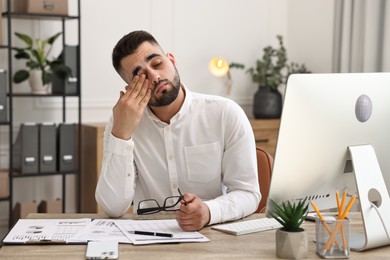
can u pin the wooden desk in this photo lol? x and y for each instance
(266, 133)
(221, 246)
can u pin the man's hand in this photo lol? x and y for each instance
(130, 107)
(193, 214)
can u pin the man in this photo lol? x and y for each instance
(163, 137)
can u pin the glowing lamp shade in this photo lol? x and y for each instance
(219, 67)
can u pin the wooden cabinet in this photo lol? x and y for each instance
(92, 154)
(266, 133)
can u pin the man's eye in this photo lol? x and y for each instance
(157, 64)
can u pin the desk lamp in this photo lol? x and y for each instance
(219, 67)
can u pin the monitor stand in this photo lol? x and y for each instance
(376, 219)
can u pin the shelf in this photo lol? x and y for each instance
(19, 175)
(4, 198)
(6, 49)
(41, 95)
(30, 16)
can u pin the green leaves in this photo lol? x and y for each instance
(27, 39)
(36, 53)
(290, 215)
(272, 69)
(21, 76)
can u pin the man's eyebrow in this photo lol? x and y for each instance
(151, 56)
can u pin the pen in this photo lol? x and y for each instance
(150, 233)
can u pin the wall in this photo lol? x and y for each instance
(194, 31)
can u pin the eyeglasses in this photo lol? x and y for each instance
(151, 206)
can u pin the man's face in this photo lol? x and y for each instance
(159, 68)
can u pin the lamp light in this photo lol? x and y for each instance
(219, 67)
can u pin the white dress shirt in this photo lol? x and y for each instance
(208, 149)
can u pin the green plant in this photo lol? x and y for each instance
(37, 56)
(272, 69)
(290, 215)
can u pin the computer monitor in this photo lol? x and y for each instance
(328, 126)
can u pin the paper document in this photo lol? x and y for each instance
(41, 231)
(101, 230)
(162, 226)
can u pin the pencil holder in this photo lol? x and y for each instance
(332, 237)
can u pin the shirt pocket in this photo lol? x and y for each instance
(203, 162)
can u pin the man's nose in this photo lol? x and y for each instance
(153, 76)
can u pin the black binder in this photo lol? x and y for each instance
(47, 147)
(66, 147)
(25, 152)
(3, 96)
(69, 85)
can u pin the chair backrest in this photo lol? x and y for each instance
(264, 171)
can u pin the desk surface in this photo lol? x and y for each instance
(259, 245)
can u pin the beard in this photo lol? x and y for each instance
(167, 95)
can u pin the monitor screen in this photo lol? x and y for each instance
(324, 114)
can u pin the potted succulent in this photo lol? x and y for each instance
(269, 72)
(291, 239)
(41, 67)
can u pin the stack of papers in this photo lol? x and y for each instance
(45, 230)
(76, 231)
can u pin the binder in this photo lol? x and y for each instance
(47, 147)
(3, 96)
(66, 147)
(69, 85)
(25, 152)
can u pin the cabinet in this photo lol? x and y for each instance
(12, 121)
(92, 153)
(266, 133)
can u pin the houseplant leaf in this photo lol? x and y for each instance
(21, 76)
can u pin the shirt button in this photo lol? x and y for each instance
(174, 186)
(170, 157)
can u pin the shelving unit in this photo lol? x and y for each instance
(10, 17)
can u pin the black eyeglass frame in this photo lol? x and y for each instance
(153, 210)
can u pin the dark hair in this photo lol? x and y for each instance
(129, 44)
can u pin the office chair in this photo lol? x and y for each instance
(264, 171)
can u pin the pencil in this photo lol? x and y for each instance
(323, 220)
(342, 202)
(349, 206)
(332, 238)
(338, 201)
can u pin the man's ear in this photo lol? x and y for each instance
(171, 58)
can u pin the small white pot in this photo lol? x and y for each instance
(291, 245)
(36, 84)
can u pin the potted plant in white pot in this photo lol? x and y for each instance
(291, 240)
(41, 66)
(270, 72)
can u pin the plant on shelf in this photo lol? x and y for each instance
(37, 55)
(273, 69)
(270, 72)
(291, 239)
